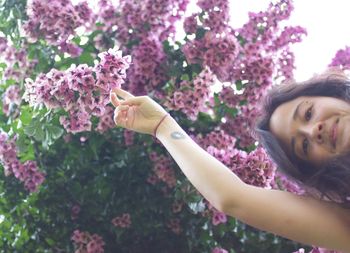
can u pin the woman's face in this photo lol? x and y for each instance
(313, 128)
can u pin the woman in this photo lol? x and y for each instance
(300, 218)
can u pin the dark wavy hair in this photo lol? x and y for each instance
(329, 181)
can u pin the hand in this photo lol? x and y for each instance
(138, 113)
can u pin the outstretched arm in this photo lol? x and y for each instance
(298, 218)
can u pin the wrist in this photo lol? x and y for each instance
(159, 123)
(166, 127)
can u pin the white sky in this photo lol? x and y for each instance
(327, 24)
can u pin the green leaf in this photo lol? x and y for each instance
(217, 99)
(28, 155)
(196, 68)
(31, 129)
(39, 134)
(231, 111)
(54, 132)
(26, 115)
(200, 33)
(3, 65)
(86, 58)
(185, 77)
(239, 84)
(22, 143)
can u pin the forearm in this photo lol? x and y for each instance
(210, 177)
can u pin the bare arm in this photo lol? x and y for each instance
(206, 173)
(297, 218)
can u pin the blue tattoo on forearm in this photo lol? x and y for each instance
(177, 135)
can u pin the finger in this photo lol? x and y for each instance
(115, 116)
(133, 101)
(119, 117)
(123, 107)
(113, 98)
(130, 117)
(122, 93)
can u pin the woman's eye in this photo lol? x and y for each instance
(308, 114)
(305, 146)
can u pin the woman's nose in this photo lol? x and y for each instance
(317, 133)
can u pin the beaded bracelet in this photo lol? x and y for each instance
(155, 130)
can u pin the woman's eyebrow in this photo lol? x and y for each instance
(296, 111)
(295, 115)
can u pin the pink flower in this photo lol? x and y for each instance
(122, 221)
(190, 24)
(219, 250)
(71, 49)
(84, 242)
(75, 211)
(218, 217)
(342, 58)
(174, 225)
(11, 100)
(163, 171)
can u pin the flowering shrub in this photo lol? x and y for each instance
(73, 182)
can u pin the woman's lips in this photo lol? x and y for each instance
(334, 133)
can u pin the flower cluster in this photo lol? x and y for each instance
(219, 250)
(217, 14)
(11, 99)
(218, 52)
(212, 213)
(177, 206)
(26, 172)
(106, 120)
(257, 170)
(162, 170)
(285, 64)
(342, 58)
(122, 221)
(262, 25)
(17, 63)
(240, 125)
(191, 96)
(282, 182)
(263, 36)
(251, 57)
(230, 97)
(56, 21)
(141, 28)
(107, 15)
(142, 18)
(254, 168)
(216, 138)
(75, 211)
(84, 242)
(174, 225)
(146, 71)
(129, 137)
(218, 218)
(79, 93)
